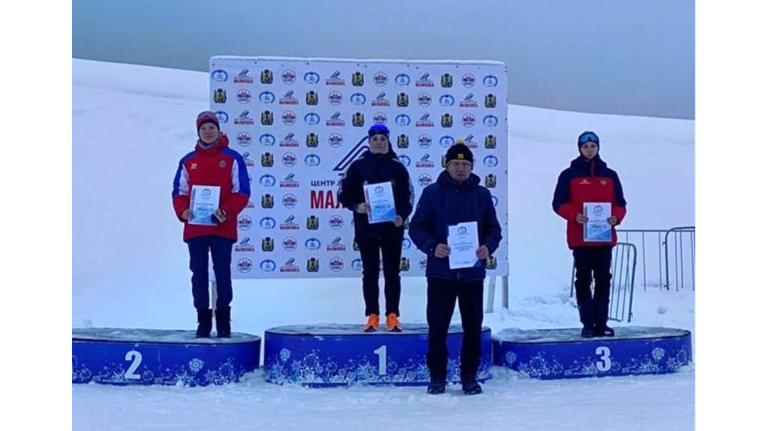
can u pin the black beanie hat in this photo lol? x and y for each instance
(588, 137)
(459, 151)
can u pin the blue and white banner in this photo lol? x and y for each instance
(299, 124)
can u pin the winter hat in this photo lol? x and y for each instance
(459, 151)
(588, 137)
(378, 129)
(207, 117)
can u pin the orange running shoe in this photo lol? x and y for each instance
(372, 324)
(393, 324)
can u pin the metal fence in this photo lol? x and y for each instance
(667, 257)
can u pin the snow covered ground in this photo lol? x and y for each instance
(131, 124)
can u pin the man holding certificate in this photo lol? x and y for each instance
(455, 224)
(378, 190)
(210, 189)
(590, 197)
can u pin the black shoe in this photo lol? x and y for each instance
(604, 331)
(587, 332)
(204, 323)
(436, 387)
(223, 328)
(470, 386)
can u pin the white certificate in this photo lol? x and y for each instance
(204, 201)
(381, 201)
(597, 229)
(464, 242)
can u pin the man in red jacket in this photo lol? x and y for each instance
(212, 163)
(589, 179)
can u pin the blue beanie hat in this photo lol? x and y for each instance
(378, 129)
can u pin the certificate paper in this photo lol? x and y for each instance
(463, 241)
(381, 201)
(597, 229)
(204, 201)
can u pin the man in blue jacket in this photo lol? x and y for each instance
(456, 197)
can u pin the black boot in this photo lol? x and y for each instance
(604, 331)
(587, 332)
(470, 386)
(436, 386)
(204, 323)
(223, 328)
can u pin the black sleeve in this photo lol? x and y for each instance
(491, 235)
(404, 195)
(349, 188)
(619, 191)
(561, 191)
(421, 226)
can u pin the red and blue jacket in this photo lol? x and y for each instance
(587, 181)
(216, 166)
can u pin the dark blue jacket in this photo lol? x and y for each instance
(371, 169)
(447, 202)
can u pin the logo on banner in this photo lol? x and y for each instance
(267, 201)
(312, 98)
(424, 81)
(335, 98)
(312, 119)
(335, 79)
(222, 116)
(402, 141)
(446, 81)
(380, 100)
(268, 265)
(358, 119)
(312, 140)
(289, 160)
(312, 160)
(290, 244)
(243, 78)
(219, 96)
(246, 158)
(490, 142)
(403, 79)
(424, 121)
(336, 264)
(446, 120)
(469, 141)
(468, 80)
(288, 99)
(358, 79)
(312, 244)
(405, 160)
(245, 246)
(244, 119)
(267, 118)
(468, 120)
(490, 81)
(355, 245)
(357, 265)
(266, 76)
(380, 118)
(289, 141)
(244, 96)
(425, 100)
(244, 265)
(425, 162)
(311, 77)
(495, 200)
(219, 75)
(267, 244)
(267, 97)
(380, 79)
(290, 201)
(447, 141)
(425, 141)
(357, 99)
(491, 263)
(289, 182)
(267, 140)
(335, 120)
(402, 100)
(423, 263)
(490, 101)
(244, 139)
(447, 100)
(289, 224)
(336, 222)
(425, 180)
(313, 265)
(267, 223)
(407, 244)
(267, 181)
(490, 120)
(490, 181)
(290, 266)
(288, 76)
(313, 223)
(405, 264)
(468, 102)
(335, 140)
(490, 161)
(267, 160)
(244, 222)
(336, 245)
(289, 118)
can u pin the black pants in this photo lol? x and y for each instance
(391, 247)
(221, 252)
(593, 310)
(441, 301)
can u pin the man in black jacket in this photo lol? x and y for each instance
(379, 165)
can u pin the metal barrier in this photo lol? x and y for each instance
(672, 258)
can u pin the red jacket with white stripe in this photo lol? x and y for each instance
(216, 166)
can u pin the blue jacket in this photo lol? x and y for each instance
(447, 202)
